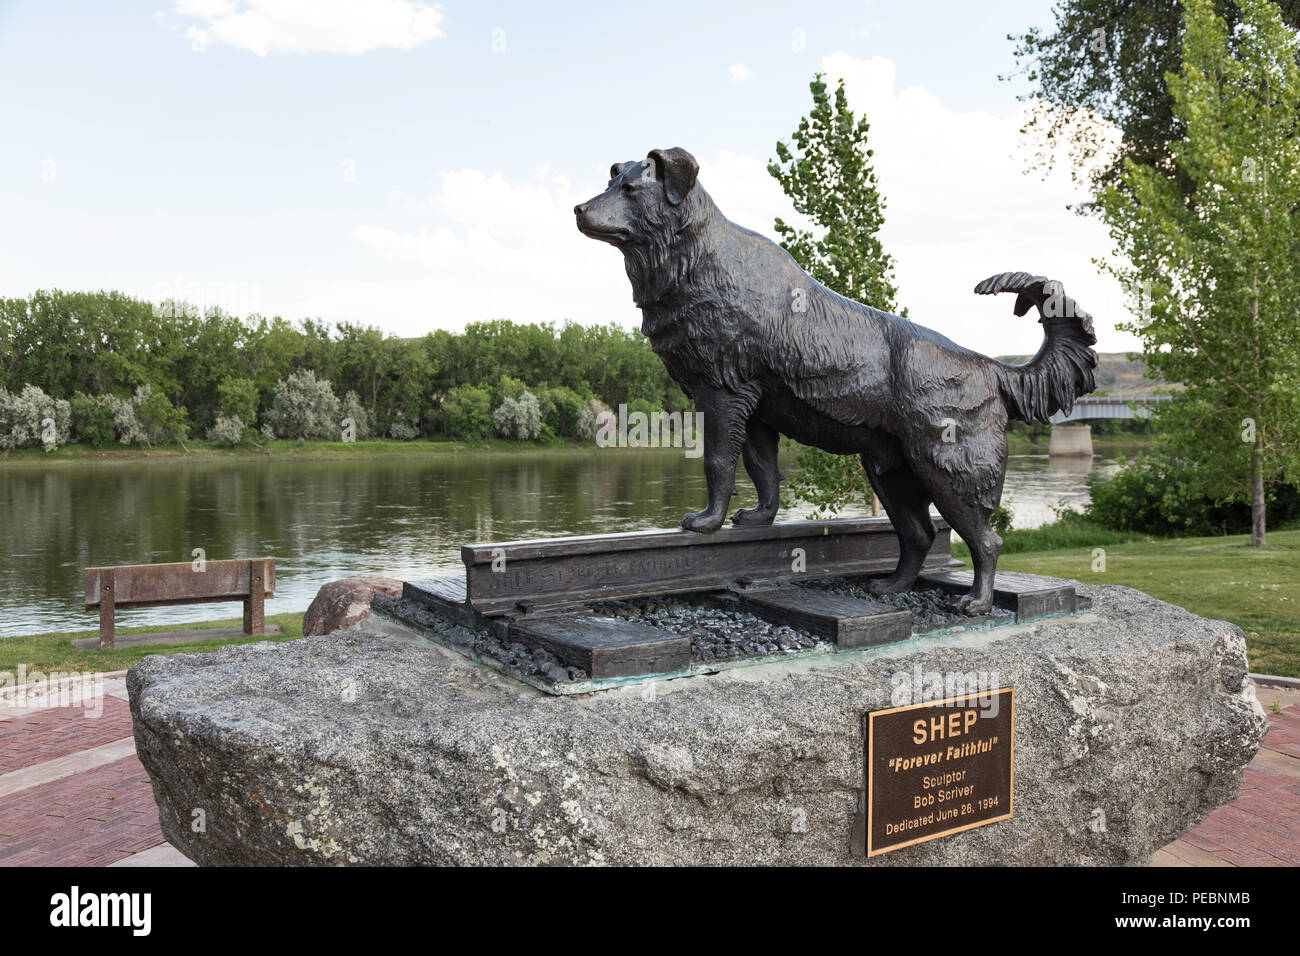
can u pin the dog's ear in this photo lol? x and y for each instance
(617, 169)
(677, 170)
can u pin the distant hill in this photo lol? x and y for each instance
(1116, 374)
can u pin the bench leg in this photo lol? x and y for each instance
(255, 603)
(107, 626)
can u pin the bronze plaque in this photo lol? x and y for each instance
(939, 768)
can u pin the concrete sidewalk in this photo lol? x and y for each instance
(72, 792)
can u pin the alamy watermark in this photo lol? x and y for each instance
(919, 686)
(651, 430)
(181, 296)
(74, 908)
(53, 689)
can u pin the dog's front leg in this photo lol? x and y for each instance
(725, 413)
(759, 455)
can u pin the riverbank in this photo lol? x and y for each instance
(383, 448)
(1104, 446)
(368, 450)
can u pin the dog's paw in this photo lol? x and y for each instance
(753, 517)
(702, 522)
(889, 585)
(973, 605)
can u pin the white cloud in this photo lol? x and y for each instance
(496, 248)
(739, 72)
(491, 248)
(959, 209)
(311, 26)
(744, 191)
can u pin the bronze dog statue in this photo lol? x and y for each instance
(763, 349)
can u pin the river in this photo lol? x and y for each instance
(323, 520)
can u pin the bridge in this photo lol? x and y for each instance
(1094, 407)
(1078, 440)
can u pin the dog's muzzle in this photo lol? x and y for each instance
(588, 228)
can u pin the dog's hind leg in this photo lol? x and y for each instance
(908, 505)
(759, 454)
(970, 520)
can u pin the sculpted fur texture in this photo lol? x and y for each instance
(763, 349)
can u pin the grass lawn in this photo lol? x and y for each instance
(286, 451)
(54, 652)
(1258, 589)
(367, 450)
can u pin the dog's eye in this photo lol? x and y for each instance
(628, 186)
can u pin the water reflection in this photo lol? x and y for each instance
(323, 520)
(1038, 486)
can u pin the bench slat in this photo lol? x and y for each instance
(141, 585)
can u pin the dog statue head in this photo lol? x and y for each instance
(643, 199)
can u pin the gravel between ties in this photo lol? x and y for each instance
(717, 634)
(535, 662)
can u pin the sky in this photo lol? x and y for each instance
(414, 166)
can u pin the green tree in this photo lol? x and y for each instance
(210, 365)
(830, 180)
(467, 412)
(159, 420)
(1106, 60)
(827, 174)
(13, 321)
(362, 354)
(92, 421)
(238, 398)
(408, 391)
(271, 350)
(507, 386)
(1214, 246)
(193, 355)
(561, 407)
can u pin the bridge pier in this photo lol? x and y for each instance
(1071, 440)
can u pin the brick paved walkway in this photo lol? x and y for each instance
(92, 818)
(1259, 829)
(60, 731)
(1262, 826)
(72, 793)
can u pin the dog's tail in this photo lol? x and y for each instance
(1063, 368)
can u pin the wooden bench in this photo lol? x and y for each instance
(158, 585)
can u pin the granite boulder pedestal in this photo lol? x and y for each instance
(1134, 719)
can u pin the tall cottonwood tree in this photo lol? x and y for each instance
(1212, 240)
(826, 171)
